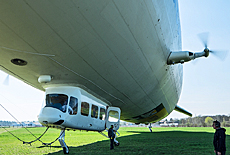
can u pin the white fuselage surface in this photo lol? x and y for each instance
(116, 50)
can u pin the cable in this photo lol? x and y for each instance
(37, 139)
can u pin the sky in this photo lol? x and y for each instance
(206, 86)
(23, 101)
(206, 89)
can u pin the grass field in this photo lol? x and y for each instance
(133, 140)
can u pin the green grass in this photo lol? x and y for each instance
(133, 140)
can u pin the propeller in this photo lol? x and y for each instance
(220, 54)
(185, 56)
(204, 38)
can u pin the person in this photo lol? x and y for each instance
(94, 113)
(111, 137)
(70, 110)
(64, 106)
(219, 139)
(73, 106)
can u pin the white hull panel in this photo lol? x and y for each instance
(116, 49)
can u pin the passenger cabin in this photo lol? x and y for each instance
(69, 107)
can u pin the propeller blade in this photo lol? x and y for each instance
(204, 38)
(6, 81)
(219, 54)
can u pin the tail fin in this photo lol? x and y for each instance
(181, 110)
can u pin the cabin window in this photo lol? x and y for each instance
(94, 111)
(113, 116)
(58, 101)
(73, 104)
(85, 108)
(102, 113)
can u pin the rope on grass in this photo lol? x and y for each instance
(37, 139)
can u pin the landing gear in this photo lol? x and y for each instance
(61, 140)
(116, 143)
(150, 127)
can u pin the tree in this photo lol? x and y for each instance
(224, 122)
(208, 121)
(183, 121)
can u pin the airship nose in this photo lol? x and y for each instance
(51, 116)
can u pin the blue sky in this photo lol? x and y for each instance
(20, 99)
(206, 89)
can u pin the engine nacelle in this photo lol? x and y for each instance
(180, 57)
(185, 56)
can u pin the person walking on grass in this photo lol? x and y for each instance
(111, 137)
(219, 139)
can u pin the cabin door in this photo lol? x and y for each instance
(113, 117)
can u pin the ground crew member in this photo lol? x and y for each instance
(219, 139)
(111, 137)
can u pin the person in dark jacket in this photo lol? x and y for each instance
(219, 139)
(111, 137)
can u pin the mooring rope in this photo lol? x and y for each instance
(37, 139)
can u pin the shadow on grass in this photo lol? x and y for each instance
(163, 142)
(49, 146)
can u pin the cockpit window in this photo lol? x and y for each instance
(58, 101)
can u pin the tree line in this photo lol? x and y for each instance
(6, 123)
(198, 121)
(202, 121)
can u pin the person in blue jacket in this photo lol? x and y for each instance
(111, 136)
(219, 139)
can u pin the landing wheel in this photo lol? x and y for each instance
(65, 151)
(61, 140)
(116, 144)
(150, 126)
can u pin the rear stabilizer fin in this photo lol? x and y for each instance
(181, 110)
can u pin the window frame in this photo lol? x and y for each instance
(82, 112)
(74, 107)
(101, 115)
(92, 108)
(63, 100)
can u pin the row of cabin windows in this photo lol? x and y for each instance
(59, 101)
(94, 111)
